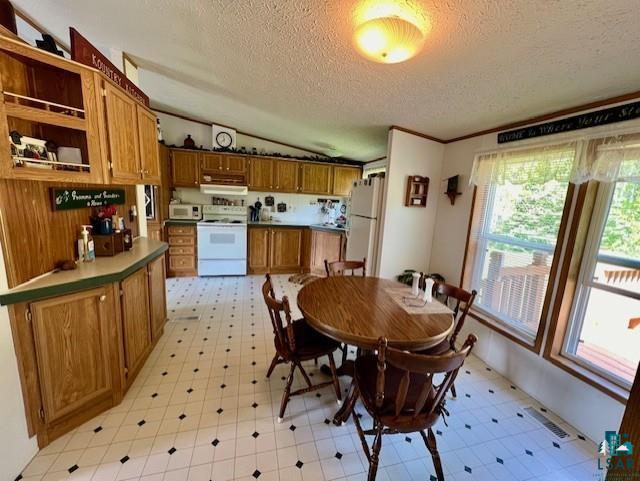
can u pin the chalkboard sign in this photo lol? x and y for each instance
(68, 199)
(583, 121)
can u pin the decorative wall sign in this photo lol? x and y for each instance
(583, 121)
(68, 199)
(84, 52)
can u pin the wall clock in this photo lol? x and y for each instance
(224, 139)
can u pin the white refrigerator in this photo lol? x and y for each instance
(364, 222)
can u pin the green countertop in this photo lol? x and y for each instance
(180, 222)
(104, 270)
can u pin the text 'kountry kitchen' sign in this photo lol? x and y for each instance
(67, 199)
(611, 115)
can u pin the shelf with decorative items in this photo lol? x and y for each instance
(417, 191)
(49, 111)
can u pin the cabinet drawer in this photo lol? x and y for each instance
(182, 262)
(181, 241)
(178, 230)
(181, 251)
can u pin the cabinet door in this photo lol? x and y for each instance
(286, 250)
(316, 179)
(286, 175)
(211, 162)
(325, 245)
(149, 153)
(73, 350)
(184, 168)
(157, 296)
(235, 164)
(260, 173)
(258, 255)
(122, 129)
(343, 178)
(136, 327)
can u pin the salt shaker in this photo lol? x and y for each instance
(428, 290)
(415, 286)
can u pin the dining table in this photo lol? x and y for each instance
(357, 311)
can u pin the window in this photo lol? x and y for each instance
(604, 327)
(520, 200)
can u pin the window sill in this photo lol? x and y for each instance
(586, 375)
(500, 327)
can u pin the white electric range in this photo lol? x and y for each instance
(222, 241)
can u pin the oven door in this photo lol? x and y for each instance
(222, 242)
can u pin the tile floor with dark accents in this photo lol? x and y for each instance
(201, 409)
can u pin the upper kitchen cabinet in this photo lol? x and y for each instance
(223, 169)
(122, 134)
(261, 173)
(50, 105)
(185, 168)
(131, 139)
(343, 177)
(286, 176)
(149, 149)
(316, 178)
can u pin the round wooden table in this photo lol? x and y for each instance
(358, 310)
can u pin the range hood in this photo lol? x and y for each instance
(220, 189)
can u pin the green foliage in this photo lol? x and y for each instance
(621, 234)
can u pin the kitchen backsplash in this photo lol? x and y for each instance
(302, 208)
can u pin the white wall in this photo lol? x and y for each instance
(408, 231)
(15, 446)
(301, 208)
(585, 407)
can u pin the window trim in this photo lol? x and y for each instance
(567, 284)
(535, 344)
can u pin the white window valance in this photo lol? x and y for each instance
(607, 159)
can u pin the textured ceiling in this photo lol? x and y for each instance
(286, 69)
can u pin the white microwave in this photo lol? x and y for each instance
(185, 211)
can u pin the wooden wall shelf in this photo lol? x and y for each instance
(417, 191)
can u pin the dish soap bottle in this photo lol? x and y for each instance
(88, 248)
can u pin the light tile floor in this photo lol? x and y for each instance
(201, 409)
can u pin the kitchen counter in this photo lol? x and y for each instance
(104, 270)
(327, 228)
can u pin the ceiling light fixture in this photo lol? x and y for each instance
(388, 39)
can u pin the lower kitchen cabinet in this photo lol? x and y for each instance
(286, 250)
(182, 258)
(157, 297)
(325, 245)
(275, 250)
(78, 353)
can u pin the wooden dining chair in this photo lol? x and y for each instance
(460, 301)
(397, 389)
(296, 342)
(340, 268)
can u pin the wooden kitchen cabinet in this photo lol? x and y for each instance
(185, 168)
(210, 161)
(286, 175)
(316, 178)
(136, 325)
(157, 297)
(258, 256)
(343, 177)
(261, 173)
(234, 164)
(275, 250)
(182, 258)
(148, 142)
(122, 134)
(286, 250)
(325, 245)
(75, 338)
